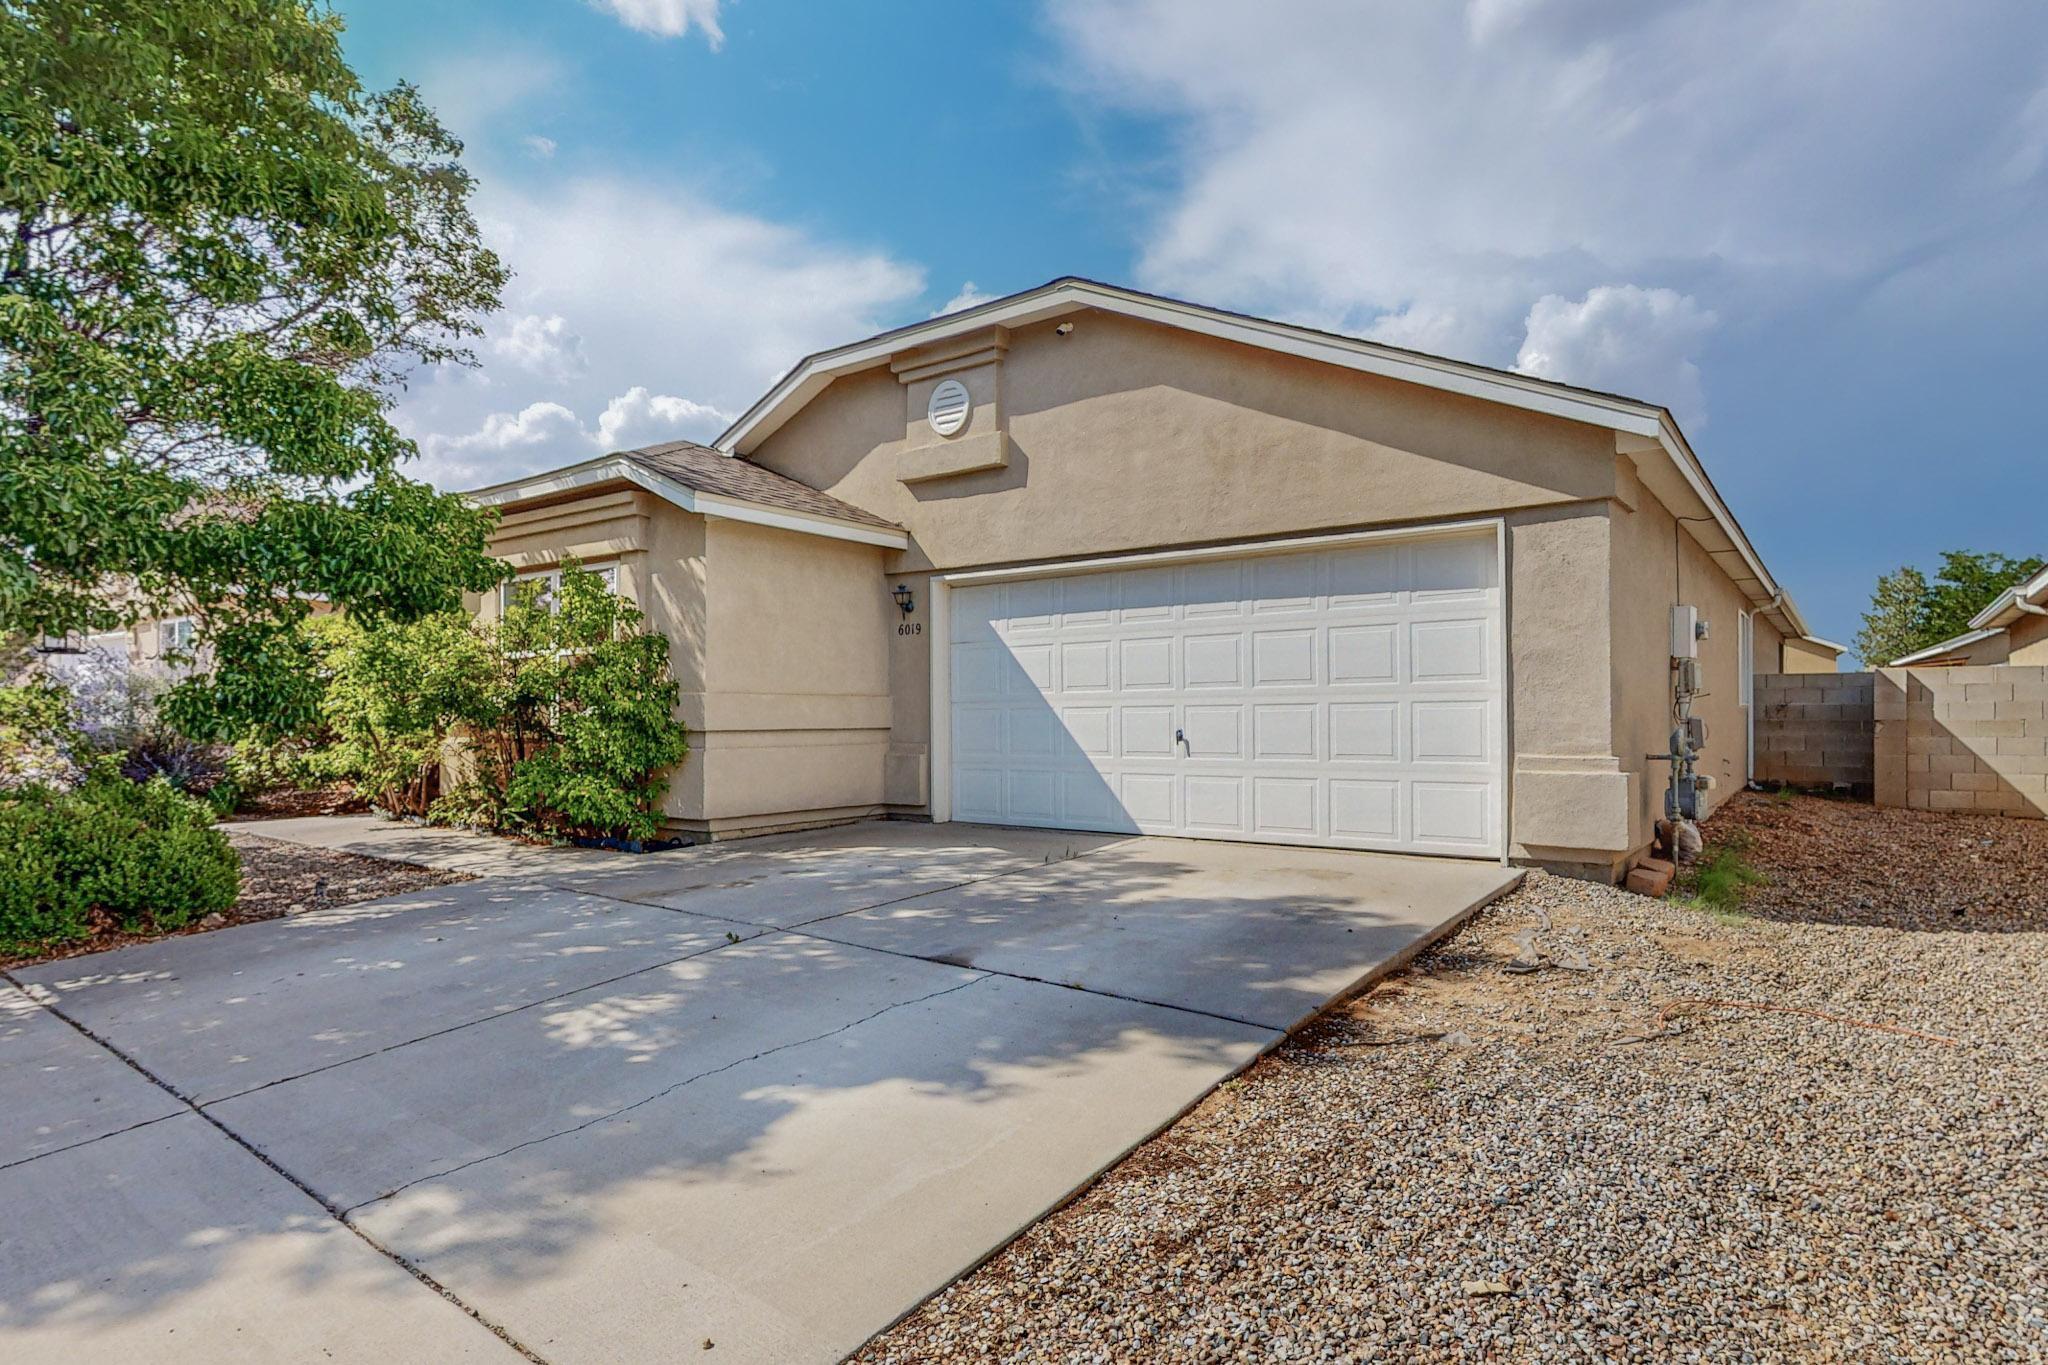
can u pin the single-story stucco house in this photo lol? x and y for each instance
(1089, 558)
(2012, 629)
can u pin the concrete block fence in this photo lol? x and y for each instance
(1964, 739)
(1816, 729)
(1941, 739)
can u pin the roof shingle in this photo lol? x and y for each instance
(711, 471)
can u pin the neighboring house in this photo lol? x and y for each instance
(1088, 558)
(1811, 654)
(2013, 629)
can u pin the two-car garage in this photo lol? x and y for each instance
(1344, 691)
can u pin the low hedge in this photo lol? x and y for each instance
(141, 853)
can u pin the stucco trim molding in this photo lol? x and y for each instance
(616, 469)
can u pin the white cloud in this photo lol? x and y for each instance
(1622, 339)
(542, 147)
(668, 18)
(626, 295)
(968, 297)
(637, 418)
(472, 90)
(1427, 173)
(541, 345)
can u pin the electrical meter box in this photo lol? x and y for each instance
(1685, 632)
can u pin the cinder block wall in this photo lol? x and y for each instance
(1815, 729)
(1963, 739)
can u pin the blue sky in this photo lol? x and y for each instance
(1818, 231)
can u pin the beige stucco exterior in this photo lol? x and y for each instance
(2027, 640)
(809, 696)
(1125, 436)
(778, 642)
(1809, 656)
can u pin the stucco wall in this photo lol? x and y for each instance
(1802, 657)
(2027, 640)
(1126, 437)
(779, 644)
(1658, 564)
(793, 719)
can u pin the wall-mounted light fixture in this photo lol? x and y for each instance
(903, 598)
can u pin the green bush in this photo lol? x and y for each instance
(140, 852)
(395, 693)
(39, 736)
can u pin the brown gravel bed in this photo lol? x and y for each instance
(1849, 862)
(278, 878)
(1467, 1163)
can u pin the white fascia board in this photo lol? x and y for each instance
(1825, 644)
(2003, 606)
(811, 375)
(613, 469)
(1933, 651)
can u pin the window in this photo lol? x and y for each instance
(550, 582)
(174, 635)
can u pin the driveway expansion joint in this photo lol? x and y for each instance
(662, 1093)
(40, 997)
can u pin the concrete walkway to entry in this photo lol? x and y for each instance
(767, 1095)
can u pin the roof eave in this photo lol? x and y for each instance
(1945, 647)
(2004, 608)
(619, 468)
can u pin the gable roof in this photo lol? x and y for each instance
(1645, 432)
(711, 483)
(2006, 607)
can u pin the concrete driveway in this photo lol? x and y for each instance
(758, 1099)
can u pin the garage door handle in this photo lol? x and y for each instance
(1180, 737)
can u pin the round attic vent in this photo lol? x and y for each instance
(948, 408)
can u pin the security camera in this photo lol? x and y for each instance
(1065, 329)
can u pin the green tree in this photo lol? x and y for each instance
(219, 258)
(396, 693)
(1908, 613)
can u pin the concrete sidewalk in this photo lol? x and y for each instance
(768, 1094)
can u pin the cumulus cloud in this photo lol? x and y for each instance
(641, 311)
(1623, 339)
(668, 18)
(968, 297)
(1461, 162)
(638, 418)
(540, 345)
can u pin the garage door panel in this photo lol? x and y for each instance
(1146, 662)
(1365, 656)
(1282, 658)
(1085, 666)
(1365, 731)
(1449, 651)
(1449, 732)
(1349, 696)
(1213, 660)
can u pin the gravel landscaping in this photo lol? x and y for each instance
(1815, 1131)
(278, 878)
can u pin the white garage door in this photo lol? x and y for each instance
(1349, 696)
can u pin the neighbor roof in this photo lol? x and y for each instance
(1642, 430)
(1946, 646)
(700, 479)
(2005, 608)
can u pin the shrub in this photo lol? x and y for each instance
(40, 743)
(141, 852)
(394, 695)
(594, 704)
